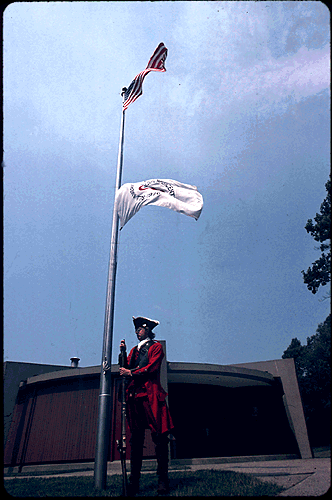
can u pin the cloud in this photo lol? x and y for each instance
(302, 74)
(221, 55)
(227, 56)
(265, 85)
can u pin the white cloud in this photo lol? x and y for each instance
(183, 93)
(300, 75)
(303, 74)
(68, 61)
(226, 55)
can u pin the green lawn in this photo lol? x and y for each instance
(201, 483)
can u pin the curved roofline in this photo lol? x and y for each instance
(213, 374)
(183, 372)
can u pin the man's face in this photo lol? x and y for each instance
(141, 333)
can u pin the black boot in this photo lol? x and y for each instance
(163, 485)
(161, 442)
(136, 458)
(133, 486)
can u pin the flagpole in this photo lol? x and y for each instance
(105, 392)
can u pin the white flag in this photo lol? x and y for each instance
(180, 197)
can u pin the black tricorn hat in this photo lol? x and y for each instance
(141, 321)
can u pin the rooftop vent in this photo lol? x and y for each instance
(74, 362)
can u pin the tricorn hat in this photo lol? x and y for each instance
(141, 321)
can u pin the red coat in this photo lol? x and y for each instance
(146, 382)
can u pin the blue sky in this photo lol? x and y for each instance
(242, 112)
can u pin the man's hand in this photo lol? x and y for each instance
(125, 371)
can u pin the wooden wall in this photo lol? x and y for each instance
(56, 421)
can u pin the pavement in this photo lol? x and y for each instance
(300, 477)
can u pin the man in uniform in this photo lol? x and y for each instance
(146, 404)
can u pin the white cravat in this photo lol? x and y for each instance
(140, 344)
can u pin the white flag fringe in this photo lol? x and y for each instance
(180, 197)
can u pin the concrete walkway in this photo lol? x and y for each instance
(300, 477)
(306, 477)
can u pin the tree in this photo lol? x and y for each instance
(319, 273)
(295, 351)
(313, 369)
(313, 361)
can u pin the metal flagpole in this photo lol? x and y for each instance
(105, 394)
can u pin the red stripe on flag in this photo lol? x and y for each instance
(156, 63)
(158, 58)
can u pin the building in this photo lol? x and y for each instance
(218, 411)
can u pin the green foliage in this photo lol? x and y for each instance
(313, 369)
(319, 273)
(199, 483)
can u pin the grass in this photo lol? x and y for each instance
(200, 483)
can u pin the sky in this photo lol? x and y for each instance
(242, 112)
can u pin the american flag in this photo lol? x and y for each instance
(156, 63)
